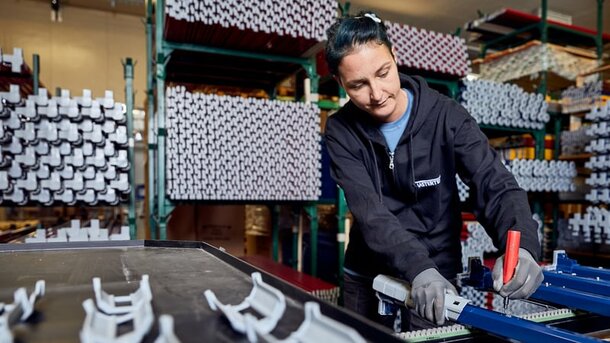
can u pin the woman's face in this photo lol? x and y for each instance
(370, 77)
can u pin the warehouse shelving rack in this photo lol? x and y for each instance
(26, 88)
(162, 50)
(527, 28)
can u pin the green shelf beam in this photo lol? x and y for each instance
(168, 47)
(328, 105)
(128, 75)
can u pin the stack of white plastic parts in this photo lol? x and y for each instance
(19, 310)
(62, 149)
(599, 164)
(269, 304)
(109, 317)
(543, 175)
(536, 59)
(298, 18)
(593, 226)
(504, 104)
(574, 142)
(233, 148)
(429, 50)
(577, 99)
(14, 60)
(463, 189)
(76, 233)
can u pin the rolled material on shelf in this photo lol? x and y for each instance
(429, 50)
(297, 19)
(62, 149)
(543, 175)
(463, 189)
(591, 226)
(576, 99)
(574, 142)
(501, 104)
(233, 148)
(599, 131)
(537, 58)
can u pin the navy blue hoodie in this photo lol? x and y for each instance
(408, 219)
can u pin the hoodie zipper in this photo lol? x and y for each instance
(391, 154)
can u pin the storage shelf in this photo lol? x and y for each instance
(222, 70)
(506, 21)
(577, 157)
(234, 38)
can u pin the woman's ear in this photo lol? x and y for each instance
(394, 54)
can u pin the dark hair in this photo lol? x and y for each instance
(351, 31)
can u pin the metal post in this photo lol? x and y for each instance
(275, 223)
(160, 74)
(36, 73)
(341, 227)
(150, 115)
(544, 30)
(312, 212)
(599, 42)
(128, 74)
(296, 224)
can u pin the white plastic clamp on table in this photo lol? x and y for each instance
(315, 328)
(166, 330)
(264, 299)
(100, 327)
(20, 310)
(112, 304)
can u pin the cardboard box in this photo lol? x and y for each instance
(218, 225)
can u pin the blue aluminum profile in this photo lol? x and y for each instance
(573, 299)
(567, 265)
(516, 328)
(578, 283)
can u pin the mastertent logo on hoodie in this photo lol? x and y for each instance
(428, 183)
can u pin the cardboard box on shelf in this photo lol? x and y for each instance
(218, 225)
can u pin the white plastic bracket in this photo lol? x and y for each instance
(111, 304)
(315, 328)
(264, 299)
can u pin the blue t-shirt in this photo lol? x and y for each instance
(392, 131)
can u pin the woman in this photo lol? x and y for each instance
(396, 147)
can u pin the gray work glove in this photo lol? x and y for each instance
(528, 276)
(428, 293)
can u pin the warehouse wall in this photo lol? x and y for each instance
(84, 51)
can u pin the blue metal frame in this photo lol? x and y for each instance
(578, 283)
(567, 265)
(516, 328)
(573, 299)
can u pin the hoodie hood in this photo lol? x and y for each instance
(420, 89)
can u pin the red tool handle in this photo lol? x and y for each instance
(511, 256)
